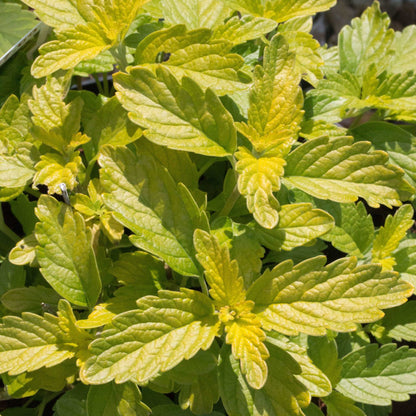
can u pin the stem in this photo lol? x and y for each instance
(90, 167)
(99, 85)
(45, 401)
(6, 230)
(203, 285)
(32, 192)
(206, 166)
(105, 84)
(229, 204)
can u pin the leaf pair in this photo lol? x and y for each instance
(82, 31)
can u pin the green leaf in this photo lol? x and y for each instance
(221, 273)
(281, 10)
(11, 276)
(311, 376)
(65, 252)
(29, 299)
(198, 380)
(23, 210)
(14, 24)
(400, 322)
(282, 395)
(128, 350)
(180, 116)
(354, 230)
(292, 299)
(241, 29)
(33, 342)
(367, 41)
(379, 375)
(397, 142)
(115, 400)
(143, 198)
(299, 224)
(72, 402)
(324, 354)
(274, 116)
(342, 171)
(405, 259)
(389, 236)
(193, 54)
(195, 13)
(339, 405)
(110, 125)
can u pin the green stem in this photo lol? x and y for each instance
(99, 85)
(229, 204)
(90, 167)
(6, 230)
(203, 284)
(105, 84)
(206, 166)
(46, 399)
(32, 192)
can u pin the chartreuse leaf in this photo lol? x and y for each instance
(104, 25)
(60, 14)
(299, 224)
(128, 350)
(308, 59)
(221, 273)
(405, 52)
(241, 29)
(367, 41)
(72, 46)
(140, 274)
(273, 122)
(292, 299)
(17, 170)
(65, 252)
(53, 378)
(32, 342)
(405, 259)
(243, 245)
(389, 236)
(282, 395)
(145, 198)
(110, 125)
(14, 24)
(316, 381)
(180, 116)
(243, 328)
(281, 10)
(24, 251)
(379, 375)
(397, 142)
(353, 232)
(341, 171)
(195, 13)
(116, 399)
(193, 54)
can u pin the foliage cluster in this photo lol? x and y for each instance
(168, 254)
